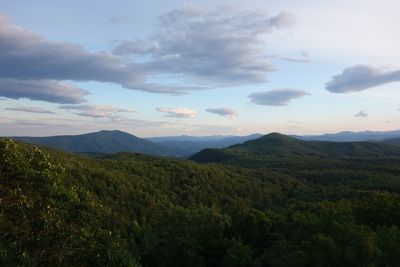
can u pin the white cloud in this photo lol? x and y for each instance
(95, 111)
(226, 112)
(178, 112)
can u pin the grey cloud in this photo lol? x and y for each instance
(178, 112)
(296, 60)
(226, 112)
(115, 20)
(31, 110)
(193, 46)
(169, 89)
(361, 114)
(361, 77)
(208, 46)
(95, 111)
(44, 90)
(277, 97)
(28, 56)
(304, 58)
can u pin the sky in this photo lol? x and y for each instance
(163, 68)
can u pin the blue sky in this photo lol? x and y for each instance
(157, 68)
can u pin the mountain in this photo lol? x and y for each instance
(102, 142)
(194, 144)
(347, 136)
(276, 145)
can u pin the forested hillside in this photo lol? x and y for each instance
(279, 149)
(103, 142)
(60, 209)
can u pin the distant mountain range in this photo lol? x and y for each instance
(194, 144)
(275, 145)
(102, 142)
(110, 142)
(348, 136)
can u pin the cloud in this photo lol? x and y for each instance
(115, 20)
(178, 112)
(223, 47)
(361, 77)
(277, 97)
(361, 114)
(95, 111)
(304, 58)
(44, 90)
(31, 110)
(26, 55)
(226, 112)
(197, 46)
(58, 126)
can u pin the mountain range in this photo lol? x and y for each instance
(194, 144)
(216, 209)
(348, 136)
(276, 146)
(102, 142)
(110, 142)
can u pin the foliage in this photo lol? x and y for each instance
(60, 209)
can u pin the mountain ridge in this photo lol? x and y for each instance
(102, 142)
(279, 145)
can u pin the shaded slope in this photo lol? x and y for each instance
(277, 146)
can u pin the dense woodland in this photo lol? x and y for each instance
(254, 208)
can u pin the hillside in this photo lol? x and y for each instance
(61, 209)
(102, 142)
(275, 145)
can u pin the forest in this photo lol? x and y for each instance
(237, 207)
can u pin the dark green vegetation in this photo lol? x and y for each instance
(395, 141)
(281, 149)
(301, 204)
(103, 142)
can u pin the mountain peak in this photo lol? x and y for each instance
(273, 138)
(276, 135)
